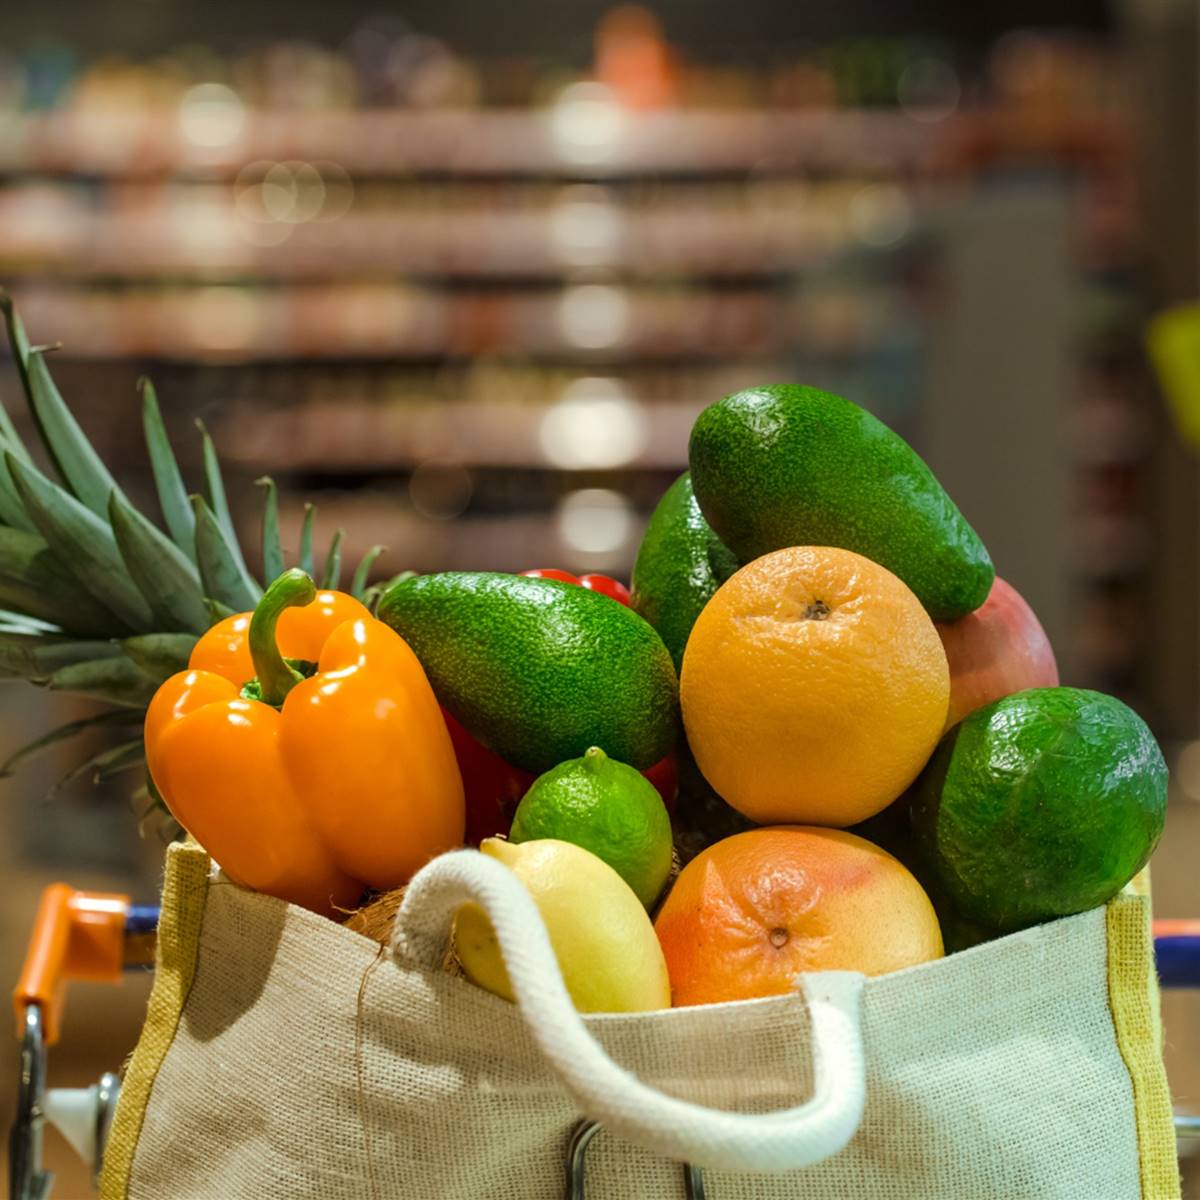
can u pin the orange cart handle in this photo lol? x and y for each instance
(1176, 927)
(76, 935)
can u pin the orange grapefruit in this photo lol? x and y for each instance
(750, 913)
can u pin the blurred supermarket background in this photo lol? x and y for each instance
(462, 275)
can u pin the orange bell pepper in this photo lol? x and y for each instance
(309, 787)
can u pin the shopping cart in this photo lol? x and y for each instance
(76, 935)
(99, 936)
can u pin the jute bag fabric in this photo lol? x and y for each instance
(286, 1058)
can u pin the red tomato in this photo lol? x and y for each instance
(612, 588)
(665, 777)
(551, 573)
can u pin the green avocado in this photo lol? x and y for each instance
(680, 563)
(1041, 804)
(793, 466)
(537, 670)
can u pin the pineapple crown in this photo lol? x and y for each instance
(95, 598)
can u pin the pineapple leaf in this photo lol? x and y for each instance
(15, 622)
(156, 813)
(35, 583)
(219, 505)
(272, 545)
(83, 543)
(35, 600)
(11, 512)
(113, 680)
(19, 341)
(160, 655)
(163, 573)
(215, 485)
(119, 759)
(38, 656)
(150, 790)
(306, 539)
(74, 457)
(101, 766)
(371, 595)
(168, 481)
(222, 572)
(217, 611)
(64, 733)
(333, 562)
(358, 585)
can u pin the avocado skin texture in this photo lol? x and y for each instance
(793, 466)
(538, 670)
(1042, 804)
(680, 564)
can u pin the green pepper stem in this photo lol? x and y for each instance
(293, 589)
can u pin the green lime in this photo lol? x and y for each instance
(1039, 805)
(605, 807)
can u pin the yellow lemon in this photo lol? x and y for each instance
(606, 947)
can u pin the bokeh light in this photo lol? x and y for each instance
(880, 214)
(596, 424)
(593, 316)
(270, 198)
(339, 190)
(587, 123)
(586, 227)
(595, 521)
(293, 192)
(211, 115)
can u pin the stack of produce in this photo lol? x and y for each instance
(818, 701)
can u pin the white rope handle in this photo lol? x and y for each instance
(605, 1092)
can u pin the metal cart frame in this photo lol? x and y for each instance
(76, 935)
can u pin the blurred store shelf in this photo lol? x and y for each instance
(587, 137)
(388, 321)
(289, 229)
(592, 422)
(274, 224)
(472, 307)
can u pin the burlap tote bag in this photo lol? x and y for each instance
(285, 1057)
